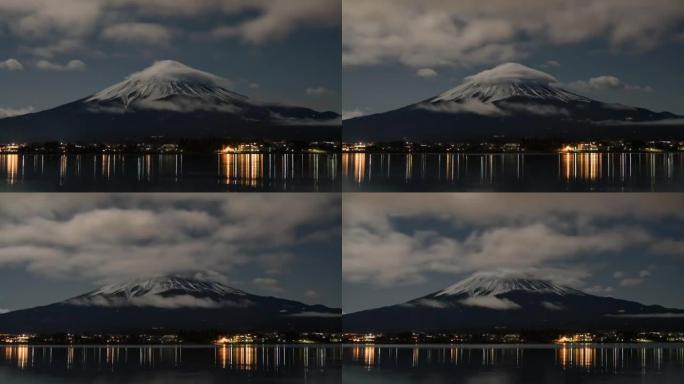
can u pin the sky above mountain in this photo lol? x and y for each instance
(398, 248)
(54, 52)
(398, 52)
(53, 247)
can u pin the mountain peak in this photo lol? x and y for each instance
(496, 283)
(171, 70)
(163, 284)
(505, 81)
(511, 72)
(161, 85)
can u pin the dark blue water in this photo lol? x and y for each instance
(513, 172)
(257, 364)
(170, 173)
(514, 364)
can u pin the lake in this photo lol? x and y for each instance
(620, 363)
(24, 364)
(513, 172)
(170, 173)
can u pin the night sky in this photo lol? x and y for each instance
(54, 52)
(400, 52)
(53, 247)
(397, 247)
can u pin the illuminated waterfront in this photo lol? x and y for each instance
(423, 172)
(170, 172)
(172, 364)
(605, 363)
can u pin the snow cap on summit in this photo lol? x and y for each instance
(171, 70)
(511, 72)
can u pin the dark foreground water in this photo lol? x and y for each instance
(169, 173)
(513, 172)
(510, 364)
(25, 364)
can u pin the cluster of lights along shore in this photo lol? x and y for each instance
(514, 146)
(160, 146)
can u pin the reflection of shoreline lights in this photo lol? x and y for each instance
(10, 164)
(241, 169)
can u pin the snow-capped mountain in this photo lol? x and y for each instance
(485, 301)
(517, 102)
(171, 302)
(492, 284)
(507, 81)
(170, 99)
(170, 85)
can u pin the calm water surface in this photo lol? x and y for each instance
(191, 173)
(621, 363)
(513, 172)
(163, 364)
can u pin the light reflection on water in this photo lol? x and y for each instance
(587, 357)
(260, 358)
(132, 172)
(513, 171)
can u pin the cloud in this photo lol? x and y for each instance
(510, 71)
(351, 114)
(631, 281)
(268, 284)
(254, 85)
(108, 238)
(311, 294)
(255, 21)
(277, 19)
(648, 315)
(315, 314)
(4, 310)
(138, 33)
(465, 33)
(551, 64)
(491, 233)
(469, 106)
(430, 303)
(73, 65)
(158, 301)
(599, 290)
(536, 109)
(62, 46)
(490, 302)
(662, 122)
(605, 82)
(9, 112)
(11, 65)
(316, 91)
(426, 73)
(672, 247)
(552, 306)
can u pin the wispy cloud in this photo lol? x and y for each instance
(11, 65)
(73, 65)
(9, 112)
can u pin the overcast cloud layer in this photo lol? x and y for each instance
(469, 32)
(106, 238)
(402, 240)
